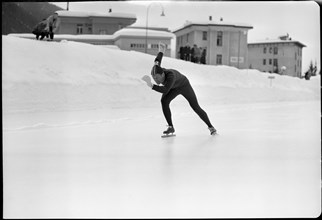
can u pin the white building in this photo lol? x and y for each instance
(137, 39)
(225, 42)
(109, 29)
(282, 56)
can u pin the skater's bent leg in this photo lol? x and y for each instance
(165, 102)
(167, 113)
(190, 95)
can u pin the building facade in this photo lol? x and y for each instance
(225, 43)
(142, 40)
(92, 23)
(282, 56)
(113, 29)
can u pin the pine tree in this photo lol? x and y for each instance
(310, 71)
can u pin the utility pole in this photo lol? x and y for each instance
(238, 53)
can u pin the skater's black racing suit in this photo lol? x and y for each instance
(176, 84)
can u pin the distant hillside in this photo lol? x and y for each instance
(21, 17)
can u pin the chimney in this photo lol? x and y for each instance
(210, 18)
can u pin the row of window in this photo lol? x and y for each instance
(275, 62)
(275, 51)
(80, 27)
(271, 50)
(150, 46)
(219, 37)
(204, 38)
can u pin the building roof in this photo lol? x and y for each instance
(213, 23)
(150, 28)
(136, 32)
(64, 13)
(276, 41)
(69, 36)
(131, 32)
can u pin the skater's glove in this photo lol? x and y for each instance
(147, 79)
(162, 47)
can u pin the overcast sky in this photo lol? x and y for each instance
(269, 19)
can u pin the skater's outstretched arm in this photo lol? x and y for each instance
(158, 59)
(167, 85)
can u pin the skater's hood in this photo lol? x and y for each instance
(156, 69)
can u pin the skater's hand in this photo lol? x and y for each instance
(162, 47)
(147, 79)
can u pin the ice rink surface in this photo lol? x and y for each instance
(112, 163)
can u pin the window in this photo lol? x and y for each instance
(264, 61)
(265, 50)
(275, 63)
(219, 59)
(275, 50)
(187, 38)
(137, 46)
(219, 38)
(155, 46)
(204, 35)
(270, 62)
(270, 50)
(79, 29)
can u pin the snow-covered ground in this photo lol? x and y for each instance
(81, 138)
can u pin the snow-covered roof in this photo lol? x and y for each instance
(213, 23)
(64, 13)
(70, 36)
(123, 32)
(274, 41)
(142, 32)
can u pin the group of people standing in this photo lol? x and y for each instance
(47, 27)
(194, 54)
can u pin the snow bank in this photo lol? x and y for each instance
(67, 75)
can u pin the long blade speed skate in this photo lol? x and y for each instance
(169, 132)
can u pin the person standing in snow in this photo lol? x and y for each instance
(52, 24)
(203, 57)
(173, 84)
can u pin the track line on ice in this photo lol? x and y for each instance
(77, 124)
(71, 124)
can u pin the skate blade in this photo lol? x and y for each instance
(168, 135)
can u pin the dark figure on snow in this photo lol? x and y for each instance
(203, 57)
(39, 30)
(187, 52)
(173, 84)
(181, 53)
(52, 24)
